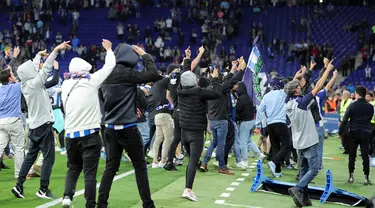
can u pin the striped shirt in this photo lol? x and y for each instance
(83, 133)
(120, 127)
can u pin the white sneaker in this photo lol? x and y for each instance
(63, 152)
(150, 154)
(67, 203)
(57, 149)
(261, 156)
(180, 157)
(244, 165)
(155, 165)
(213, 154)
(238, 165)
(161, 165)
(189, 195)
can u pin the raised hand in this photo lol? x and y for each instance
(16, 51)
(235, 65)
(62, 46)
(215, 73)
(242, 64)
(56, 65)
(188, 53)
(43, 53)
(201, 49)
(312, 65)
(107, 45)
(326, 62)
(138, 50)
(330, 65)
(335, 73)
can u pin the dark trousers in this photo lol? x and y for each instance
(116, 141)
(193, 143)
(361, 138)
(176, 136)
(229, 140)
(280, 143)
(41, 139)
(83, 153)
(293, 152)
(102, 129)
(62, 139)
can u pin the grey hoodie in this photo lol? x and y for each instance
(36, 95)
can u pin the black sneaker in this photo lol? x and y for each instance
(45, 194)
(296, 195)
(170, 166)
(367, 182)
(18, 192)
(307, 203)
(3, 166)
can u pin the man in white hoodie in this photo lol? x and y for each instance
(40, 122)
(82, 124)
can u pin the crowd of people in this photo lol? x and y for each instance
(155, 114)
(167, 116)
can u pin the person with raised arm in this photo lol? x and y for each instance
(304, 134)
(82, 124)
(40, 122)
(118, 95)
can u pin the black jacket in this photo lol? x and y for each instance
(141, 104)
(245, 109)
(360, 114)
(119, 90)
(193, 107)
(159, 94)
(217, 109)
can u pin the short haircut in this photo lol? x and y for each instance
(4, 76)
(370, 94)
(361, 91)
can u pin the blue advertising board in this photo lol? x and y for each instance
(331, 121)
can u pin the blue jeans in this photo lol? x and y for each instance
(309, 160)
(219, 130)
(236, 146)
(321, 134)
(246, 143)
(145, 132)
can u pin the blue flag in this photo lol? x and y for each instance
(255, 78)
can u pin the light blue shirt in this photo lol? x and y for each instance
(10, 101)
(272, 108)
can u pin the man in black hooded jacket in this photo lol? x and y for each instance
(118, 94)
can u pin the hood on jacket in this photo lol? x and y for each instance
(125, 55)
(26, 71)
(188, 79)
(79, 65)
(241, 88)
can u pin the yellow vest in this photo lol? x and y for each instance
(373, 117)
(344, 107)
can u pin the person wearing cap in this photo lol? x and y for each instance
(304, 134)
(272, 108)
(358, 119)
(82, 124)
(118, 95)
